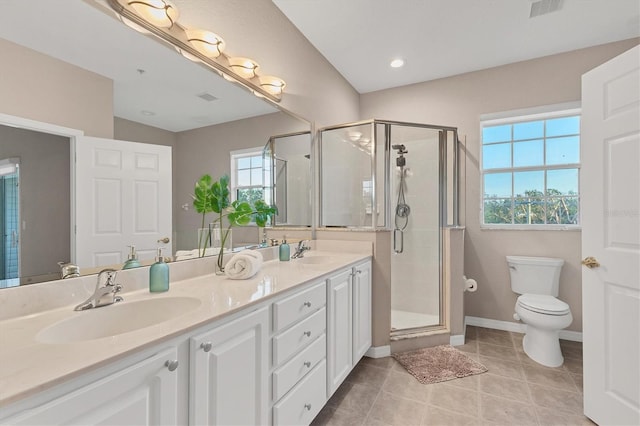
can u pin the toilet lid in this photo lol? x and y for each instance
(543, 304)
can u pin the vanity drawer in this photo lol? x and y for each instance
(299, 305)
(299, 336)
(289, 374)
(305, 400)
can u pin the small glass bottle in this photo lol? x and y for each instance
(159, 275)
(132, 260)
(285, 252)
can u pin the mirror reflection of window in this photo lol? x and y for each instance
(247, 176)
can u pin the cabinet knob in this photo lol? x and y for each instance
(307, 333)
(307, 364)
(307, 406)
(206, 346)
(307, 304)
(171, 364)
(358, 271)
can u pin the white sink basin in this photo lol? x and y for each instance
(119, 318)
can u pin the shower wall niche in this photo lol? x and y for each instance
(398, 178)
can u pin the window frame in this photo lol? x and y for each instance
(233, 157)
(523, 116)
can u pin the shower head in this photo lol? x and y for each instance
(401, 149)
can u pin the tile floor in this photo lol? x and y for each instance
(515, 390)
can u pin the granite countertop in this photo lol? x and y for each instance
(27, 365)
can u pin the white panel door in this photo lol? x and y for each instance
(123, 197)
(142, 394)
(610, 192)
(229, 373)
(339, 329)
(361, 311)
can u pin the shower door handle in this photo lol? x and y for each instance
(398, 240)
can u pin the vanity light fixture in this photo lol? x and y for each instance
(157, 18)
(244, 66)
(206, 42)
(161, 13)
(271, 84)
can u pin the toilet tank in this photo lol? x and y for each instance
(535, 275)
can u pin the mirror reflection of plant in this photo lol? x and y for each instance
(213, 197)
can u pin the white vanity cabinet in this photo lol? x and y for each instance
(348, 321)
(144, 393)
(229, 372)
(299, 356)
(273, 362)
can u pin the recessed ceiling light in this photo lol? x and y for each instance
(397, 63)
(146, 112)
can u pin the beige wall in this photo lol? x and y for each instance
(38, 87)
(459, 101)
(259, 30)
(44, 199)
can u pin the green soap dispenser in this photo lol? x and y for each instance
(285, 251)
(159, 275)
(132, 260)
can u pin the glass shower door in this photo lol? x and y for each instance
(414, 185)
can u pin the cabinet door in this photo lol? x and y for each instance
(142, 394)
(339, 336)
(229, 373)
(361, 310)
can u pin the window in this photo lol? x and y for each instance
(247, 175)
(530, 170)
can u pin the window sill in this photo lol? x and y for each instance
(530, 228)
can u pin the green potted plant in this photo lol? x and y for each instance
(213, 197)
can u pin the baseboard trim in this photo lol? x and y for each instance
(378, 351)
(517, 327)
(457, 340)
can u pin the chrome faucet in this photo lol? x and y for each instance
(302, 247)
(103, 295)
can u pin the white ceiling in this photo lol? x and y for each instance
(440, 38)
(437, 38)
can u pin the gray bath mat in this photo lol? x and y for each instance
(438, 364)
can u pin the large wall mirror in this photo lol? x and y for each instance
(173, 107)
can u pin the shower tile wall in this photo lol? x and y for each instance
(10, 226)
(415, 272)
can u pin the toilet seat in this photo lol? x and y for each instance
(543, 304)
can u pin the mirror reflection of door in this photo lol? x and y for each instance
(9, 222)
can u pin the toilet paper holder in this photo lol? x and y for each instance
(470, 284)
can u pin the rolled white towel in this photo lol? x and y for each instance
(243, 265)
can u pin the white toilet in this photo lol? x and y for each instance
(537, 280)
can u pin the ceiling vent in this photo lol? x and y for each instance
(207, 97)
(543, 7)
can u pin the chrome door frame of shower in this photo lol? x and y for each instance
(442, 189)
(374, 136)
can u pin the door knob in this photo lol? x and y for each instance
(590, 262)
(164, 240)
